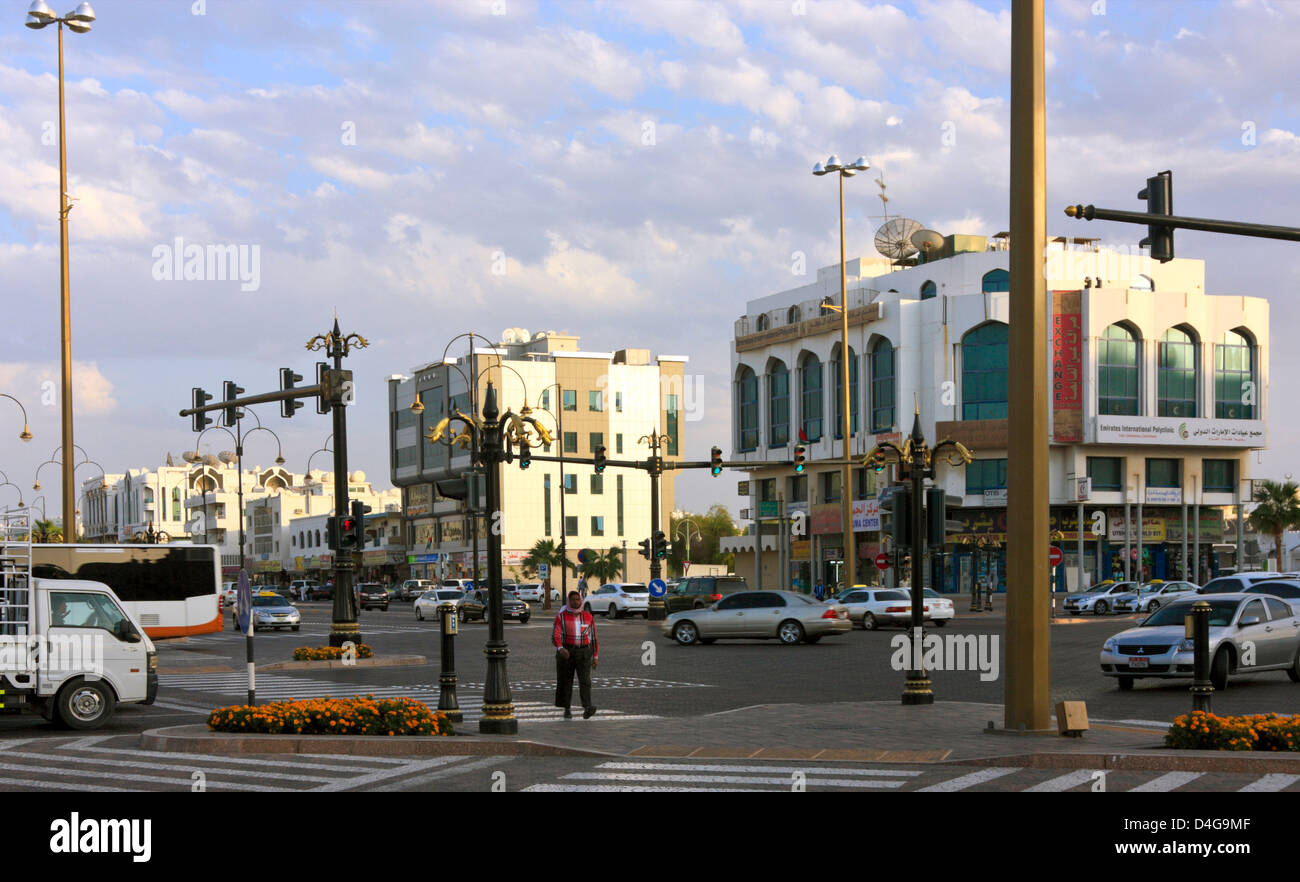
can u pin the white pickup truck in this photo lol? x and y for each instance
(69, 650)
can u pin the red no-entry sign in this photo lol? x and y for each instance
(1055, 556)
(882, 561)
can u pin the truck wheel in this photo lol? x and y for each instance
(85, 704)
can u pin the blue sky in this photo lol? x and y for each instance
(380, 154)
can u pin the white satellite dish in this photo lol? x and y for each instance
(893, 239)
(926, 240)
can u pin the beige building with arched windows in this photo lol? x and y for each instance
(1159, 393)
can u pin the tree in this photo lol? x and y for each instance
(705, 532)
(47, 531)
(544, 551)
(1277, 509)
(603, 567)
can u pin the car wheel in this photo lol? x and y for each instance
(1153, 606)
(869, 622)
(613, 611)
(686, 633)
(419, 616)
(1101, 608)
(294, 628)
(789, 632)
(941, 623)
(1294, 671)
(523, 620)
(1125, 684)
(85, 705)
(464, 617)
(1219, 669)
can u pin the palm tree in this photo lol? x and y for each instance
(544, 551)
(1277, 509)
(603, 567)
(47, 531)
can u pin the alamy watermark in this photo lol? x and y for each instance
(952, 652)
(179, 262)
(53, 654)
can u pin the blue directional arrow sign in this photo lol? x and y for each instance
(658, 587)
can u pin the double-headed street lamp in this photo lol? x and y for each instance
(833, 164)
(494, 438)
(78, 21)
(916, 460)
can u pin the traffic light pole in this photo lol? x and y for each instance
(657, 611)
(1209, 225)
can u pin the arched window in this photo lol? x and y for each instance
(762, 324)
(778, 405)
(929, 291)
(811, 398)
(882, 386)
(1142, 283)
(837, 382)
(318, 538)
(1235, 389)
(1117, 372)
(794, 316)
(176, 503)
(996, 280)
(1177, 375)
(984, 373)
(293, 541)
(747, 409)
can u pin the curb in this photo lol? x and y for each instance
(379, 661)
(200, 739)
(1153, 760)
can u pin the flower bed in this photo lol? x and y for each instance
(329, 653)
(1201, 731)
(333, 716)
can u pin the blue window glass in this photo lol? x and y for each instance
(882, 386)
(811, 399)
(996, 280)
(1177, 375)
(984, 373)
(778, 406)
(1117, 372)
(1234, 378)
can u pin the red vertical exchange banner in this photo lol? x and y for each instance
(1067, 366)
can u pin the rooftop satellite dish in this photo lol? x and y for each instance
(926, 240)
(893, 239)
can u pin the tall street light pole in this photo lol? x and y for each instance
(1028, 614)
(833, 164)
(78, 21)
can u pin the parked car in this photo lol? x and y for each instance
(698, 592)
(1151, 596)
(1100, 598)
(1234, 583)
(462, 584)
(617, 599)
(317, 591)
(474, 605)
(270, 610)
(426, 605)
(1240, 625)
(786, 615)
(229, 591)
(530, 592)
(1287, 589)
(372, 594)
(413, 588)
(939, 609)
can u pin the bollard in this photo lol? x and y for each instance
(447, 702)
(1197, 629)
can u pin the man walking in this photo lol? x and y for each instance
(576, 651)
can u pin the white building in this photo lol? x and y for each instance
(587, 400)
(1159, 392)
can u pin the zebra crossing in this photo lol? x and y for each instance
(702, 775)
(86, 764)
(284, 687)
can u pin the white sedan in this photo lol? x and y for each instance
(938, 608)
(873, 607)
(619, 599)
(426, 605)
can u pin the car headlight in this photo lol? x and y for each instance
(1187, 645)
(1109, 645)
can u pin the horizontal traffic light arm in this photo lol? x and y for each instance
(643, 464)
(1174, 221)
(281, 395)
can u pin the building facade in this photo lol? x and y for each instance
(1159, 393)
(585, 400)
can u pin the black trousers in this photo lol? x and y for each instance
(579, 662)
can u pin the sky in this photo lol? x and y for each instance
(630, 172)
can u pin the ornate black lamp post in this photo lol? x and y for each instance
(916, 461)
(493, 438)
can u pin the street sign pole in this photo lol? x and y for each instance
(244, 613)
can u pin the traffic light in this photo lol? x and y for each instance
(525, 454)
(715, 461)
(359, 510)
(1159, 196)
(347, 533)
(645, 549)
(798, 458)
(199, 399)
(600, 458)
(332, 533)
(660, 542)
(323, 399)
(900, 516)
(230, 393)
(289, 406)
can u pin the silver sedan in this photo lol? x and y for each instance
(786, 615)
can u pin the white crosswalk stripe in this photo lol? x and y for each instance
(1167, 782)
(1063, 782)
(282, 687)
(689, 776)
(1270, 784)
(966, 781)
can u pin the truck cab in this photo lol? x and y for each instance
(69, 650)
